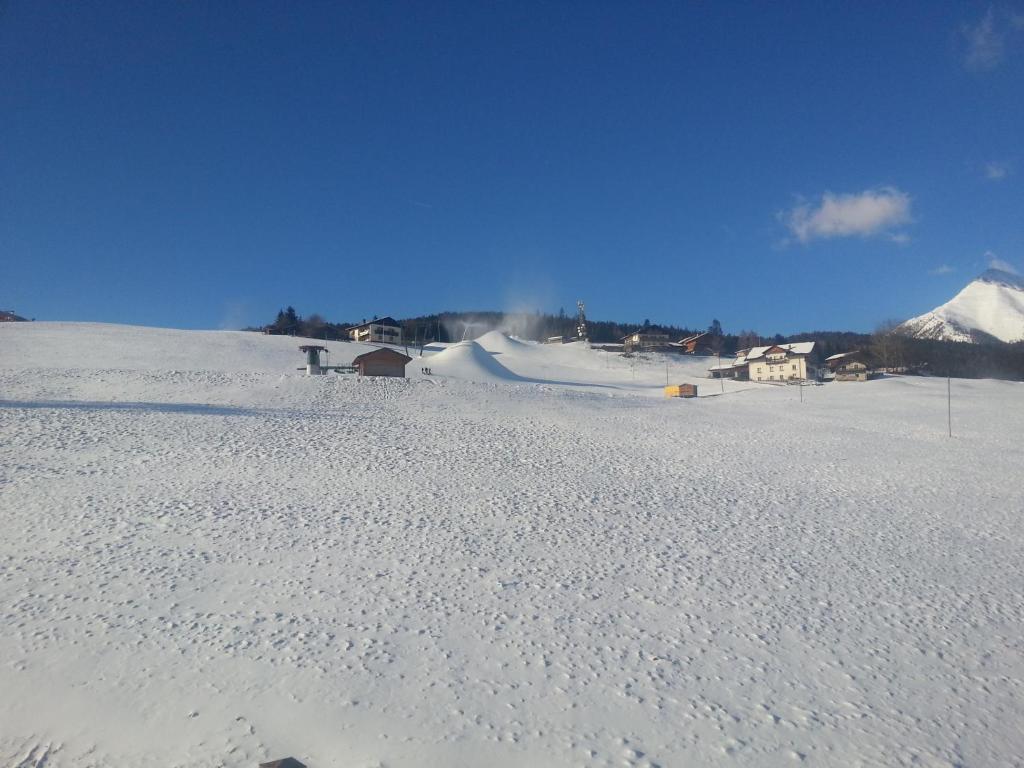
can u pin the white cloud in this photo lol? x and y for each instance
(994, 262)
(944, 269)
(985, 43)
(987, 40)
(863, 214)
(996, 171)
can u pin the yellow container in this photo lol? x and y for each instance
(681, 390)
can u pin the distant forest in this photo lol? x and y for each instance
(883, 348)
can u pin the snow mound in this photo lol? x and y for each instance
(501, 343)
(469, 360)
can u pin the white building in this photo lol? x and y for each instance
(782, 362)
(383, 330)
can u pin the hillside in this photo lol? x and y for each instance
(528, 557)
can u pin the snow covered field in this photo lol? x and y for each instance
(530, 558)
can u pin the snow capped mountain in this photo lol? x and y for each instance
(991, 306)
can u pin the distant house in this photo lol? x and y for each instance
(737, 369)
(6, 316)
(779, 362)
(645, 341)
(382, 330)
(698, 344)
(848, 366)
(782, 362)
(381, 362)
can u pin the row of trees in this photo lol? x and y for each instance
(991, 360)
(885, 348)
(290, 323)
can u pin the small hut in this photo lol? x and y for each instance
(681, 390)
(381, 362)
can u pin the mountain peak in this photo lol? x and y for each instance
(1001, 277)
(990, 307)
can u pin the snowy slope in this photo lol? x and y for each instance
(993, 304)
(209, 559)
(494, 357)
(127, 347)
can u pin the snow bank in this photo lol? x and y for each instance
(468, 360)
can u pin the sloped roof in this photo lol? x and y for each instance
(796, 348)
(382, 352)
(386, 320)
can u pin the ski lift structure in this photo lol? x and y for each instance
(313, 365)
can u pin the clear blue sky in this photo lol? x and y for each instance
(780, 167)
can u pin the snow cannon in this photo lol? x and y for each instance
(313, 367)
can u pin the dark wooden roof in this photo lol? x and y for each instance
(285, 762)
(382, 352)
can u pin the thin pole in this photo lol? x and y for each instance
(949, 404)
(721, 377)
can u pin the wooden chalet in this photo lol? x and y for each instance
(698, 344)
(848, 366)
(381, 362)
